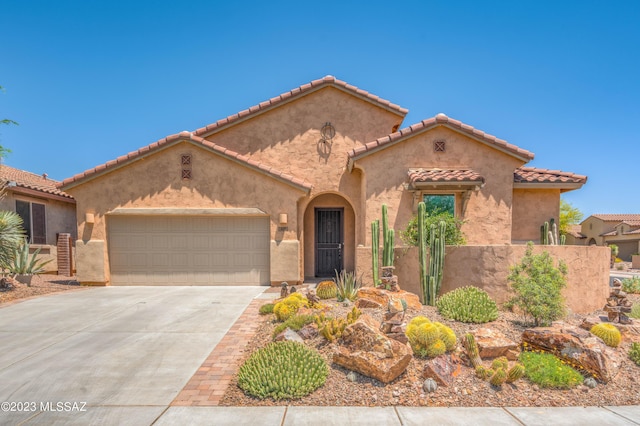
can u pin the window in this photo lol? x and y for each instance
(34, 221)
(440, 203)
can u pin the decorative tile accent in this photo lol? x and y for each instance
(439, 146)
(186, 166)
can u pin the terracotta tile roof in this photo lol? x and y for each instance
(440, 120)
(305, 89)
(576, 231)
(23, 179)
(417, 176)
(617, 217)
(536, 175)
(180, 137)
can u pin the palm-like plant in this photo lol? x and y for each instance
(11, 236)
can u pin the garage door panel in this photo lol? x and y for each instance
(189, 250)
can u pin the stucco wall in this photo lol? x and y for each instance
(488, 211)
(60, 216)
(531, 209)
(487, 267)
(155, 181)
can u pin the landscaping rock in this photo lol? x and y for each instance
(441, 369)
(492, 344)
(383, 296)
(576, 346)
(367, 303)
(309, 331)
(369, 352)
(288, 335)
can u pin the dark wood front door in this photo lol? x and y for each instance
(329, 241)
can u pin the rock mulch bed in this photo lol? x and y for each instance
(40, 284)
(344, 389)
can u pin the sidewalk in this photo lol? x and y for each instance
(326, 416)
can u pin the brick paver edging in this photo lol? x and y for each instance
(210, 382)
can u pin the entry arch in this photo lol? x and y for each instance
(329, 202)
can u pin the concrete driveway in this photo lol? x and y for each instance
(109, 355)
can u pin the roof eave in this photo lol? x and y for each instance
(446, 185)
(41, 194)
(562, 186)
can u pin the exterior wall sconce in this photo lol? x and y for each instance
(283, 219)
(89, 218)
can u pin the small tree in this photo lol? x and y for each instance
(453, 234)
(569, 216)
(538, 285)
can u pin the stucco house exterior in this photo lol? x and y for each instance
(46, 212)
(287, 189)
(622, 230)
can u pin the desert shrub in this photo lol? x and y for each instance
(294, 322)
(347, 285)
(453, 234)
(430, 339)
(609, 334)
(631, 285)
(288, 306)
(267, 308)
(538, 284)
(283, 370)
(635, 311)
(468, 304)
(634, 353)
(547, 371)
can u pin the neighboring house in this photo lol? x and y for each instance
(46, 211)
(575, 236)
(288, 188)
(622, 230)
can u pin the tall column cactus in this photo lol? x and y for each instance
(436, 260)
(422, 253)
(388, 236)
(375, 251)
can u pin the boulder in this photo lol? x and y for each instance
(382, 296)
(367, 303)
(441, 369)
(492, 344)
(576, 346)
(288, 335)
(369, 352)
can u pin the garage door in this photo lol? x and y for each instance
(188, 250)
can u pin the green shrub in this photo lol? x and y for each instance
(468, 304)
(453, 234)
(631, 285)
(634, 353)
(267, 308)
(547, 371)
(294, 322)
(283, 370)
(347, 285)
(538, 285)
(635, 311)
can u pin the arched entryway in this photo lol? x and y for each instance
(329, 236)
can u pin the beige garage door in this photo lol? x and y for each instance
(188, 250)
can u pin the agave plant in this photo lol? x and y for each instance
(348, 285)
(24, 263)
(11, 236)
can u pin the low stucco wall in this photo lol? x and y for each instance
(487, 267)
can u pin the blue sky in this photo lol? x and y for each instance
(89, 81)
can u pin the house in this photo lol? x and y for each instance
(47, 214)
(622, 230)
(287, 189)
